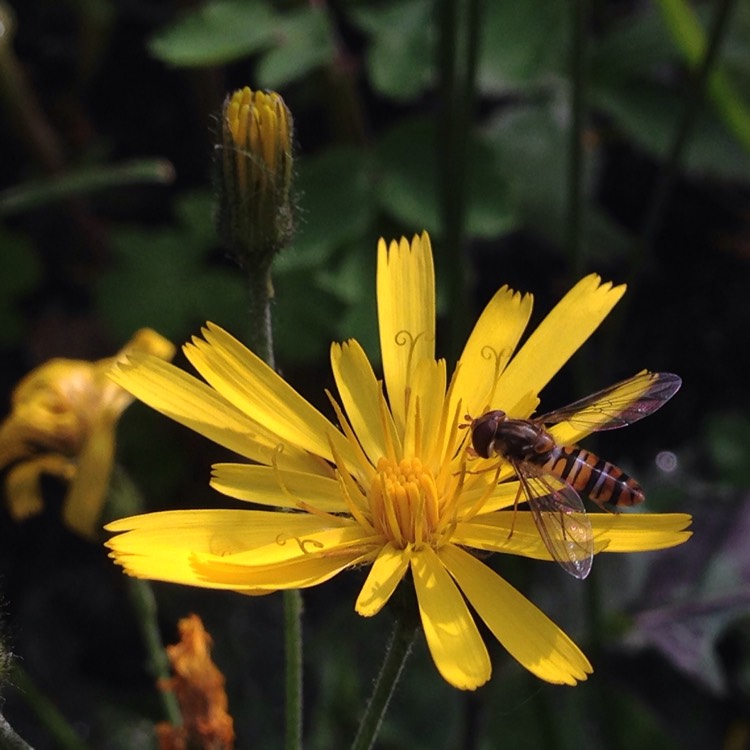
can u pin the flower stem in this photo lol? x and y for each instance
(293, 657)
(141, 596)
(576, 183)
(261, 339)
(458, 51)
(397, 651)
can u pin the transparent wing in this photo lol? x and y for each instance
(560, 518)
(619, 405)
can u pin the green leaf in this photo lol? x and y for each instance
(686, 31)
(166, 278)
(408, 184)
(216, 33)
(302, 43)
(522, 43)
(531, 147)
(648, 113)
(401, 52)
(84, 180)
(335, 205)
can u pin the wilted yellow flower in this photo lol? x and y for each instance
(393, 487)
(62, 423)
(199, 686)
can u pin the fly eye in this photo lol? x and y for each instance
(483, 433)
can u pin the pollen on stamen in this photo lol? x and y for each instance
(404, 502)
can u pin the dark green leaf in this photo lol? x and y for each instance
(408, 185)
(21, 273)
(522, 43)
(216, 33)
(302, 43)
(401, 51)
(335, 205)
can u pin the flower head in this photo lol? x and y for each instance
(395, 485)
(62, 423)
(255, 215)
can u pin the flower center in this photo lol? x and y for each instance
(405, 503)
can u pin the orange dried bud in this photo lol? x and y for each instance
(199, 687)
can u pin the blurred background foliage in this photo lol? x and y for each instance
(536, 141)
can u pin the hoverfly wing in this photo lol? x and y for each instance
(560, 518)
(619, 405)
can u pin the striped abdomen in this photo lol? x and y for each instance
(601, 481)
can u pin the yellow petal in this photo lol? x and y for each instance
(556, 339)
(282, 489)
(161, 546)
(406, 314)
(638, 532)
(247, 382)
(529, 636)
(385, 574)
(360, 394)
(299, 573)
(489, 348)
(86, 494)
(424, 410)
(23, 483)
(194, 404)
(452, 636)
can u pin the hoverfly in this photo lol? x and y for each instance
(552, 477)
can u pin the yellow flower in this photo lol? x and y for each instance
(395, 487)
(62, 423)
(255, 213)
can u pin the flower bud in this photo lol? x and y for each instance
(255, 217)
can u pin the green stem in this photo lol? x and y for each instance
(396, 654)
(9, 739)
(458, 51)
(56, 725)
(141, 596)
(576, 171)
(668, 175)
(260, 289)
(261, 339)
(293, 657)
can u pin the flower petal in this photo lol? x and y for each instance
(639, 532)
(360, 394)
(528, 634)
(252, 386)
(406, 314)
(163, 546)
(557, 338)
(282, 489)
(385, 574)
(195, 405)
(489, 349)
(452, 635)
(425, 410)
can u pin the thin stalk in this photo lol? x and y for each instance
(143, 601)
(670, 169)
(458, 51)
(293, 670)
(396, 654)
(260, 289)
(55, 724)
(576, 220)
(261, 340)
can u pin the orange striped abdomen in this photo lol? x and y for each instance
(603, 482)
